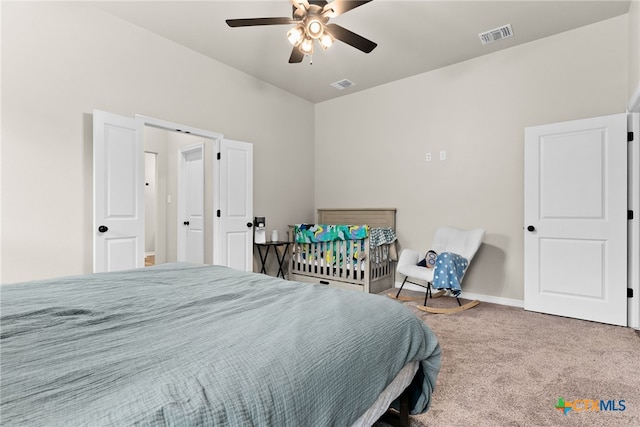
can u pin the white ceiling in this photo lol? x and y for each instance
(413, 36)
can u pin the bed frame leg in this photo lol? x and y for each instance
(399, 418)
(404, 409)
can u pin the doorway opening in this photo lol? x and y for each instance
(151, 211)
(179, 181)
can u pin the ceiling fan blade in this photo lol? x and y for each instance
(250, 22)
(338, 7)
(300, 3)
(296, 56)
(351, 38)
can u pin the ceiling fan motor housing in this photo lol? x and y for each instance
(312, 19)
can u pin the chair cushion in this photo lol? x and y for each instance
(416, 272)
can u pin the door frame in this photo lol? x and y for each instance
(155, 203)
(633, 125)
(633, 245)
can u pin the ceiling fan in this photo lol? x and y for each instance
(311, 23)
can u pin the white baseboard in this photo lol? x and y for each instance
(467, 295)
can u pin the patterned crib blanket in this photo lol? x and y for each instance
(382, 238)
(313, 233)
(382, 243)
(381, 235)
(448, 272)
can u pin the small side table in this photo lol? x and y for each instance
(263, 257)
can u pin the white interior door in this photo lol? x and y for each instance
(118, 193)
(191, 205)
(235, 210)
(575, 237)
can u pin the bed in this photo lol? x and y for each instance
(185, 345)
(371, 270)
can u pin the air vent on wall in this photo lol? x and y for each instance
(343, 84)
(496, 34)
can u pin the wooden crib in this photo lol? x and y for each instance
(373, 269)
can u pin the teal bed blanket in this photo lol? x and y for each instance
(184, 345)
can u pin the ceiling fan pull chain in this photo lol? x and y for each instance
(310, 59)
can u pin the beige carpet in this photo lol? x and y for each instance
(503, 366)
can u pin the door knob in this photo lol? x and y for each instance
(103, 228)
(186, 223)
(531, 228)
(249, 224)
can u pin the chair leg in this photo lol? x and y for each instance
(403, 282)
(426, 294)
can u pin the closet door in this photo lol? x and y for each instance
(118, 193)
(575, 237)
(235, 213)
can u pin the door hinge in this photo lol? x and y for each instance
(218, 156)
(218, 213)
(629, 214)
(629, 136)
(629, 293)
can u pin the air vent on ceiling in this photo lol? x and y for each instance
(496, 34)
(343, 84)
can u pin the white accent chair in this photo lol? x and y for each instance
(445, 239)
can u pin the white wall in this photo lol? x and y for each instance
(62, 60)
(476, 111)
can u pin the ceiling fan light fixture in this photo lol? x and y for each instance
(315, 28)
(326, 40)
(295, 35)
(306, 46)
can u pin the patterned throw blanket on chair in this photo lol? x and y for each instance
(448, 272)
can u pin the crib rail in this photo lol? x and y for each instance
(348, 264)
(340, 260)
(380, 263)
